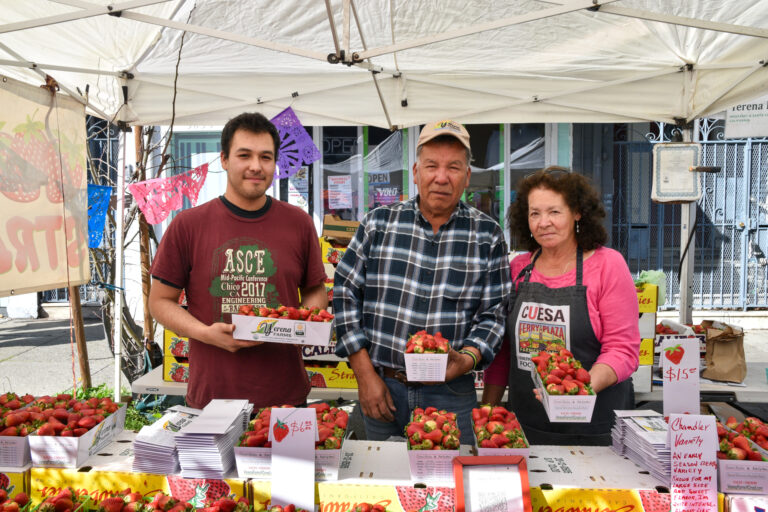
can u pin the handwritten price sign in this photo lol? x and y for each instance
(680, 372)
(693, 443)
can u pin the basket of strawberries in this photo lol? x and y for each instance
(426, 357)
(283, 324)
(497, 432)
(254, 450)
(743, 456)
(564, 386)
(433, 441)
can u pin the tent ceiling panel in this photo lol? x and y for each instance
(580, 66)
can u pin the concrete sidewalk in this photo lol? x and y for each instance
(36, 356)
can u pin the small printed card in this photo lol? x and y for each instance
(426, 367)
(293, 433)
(680, 375)
(693, 444)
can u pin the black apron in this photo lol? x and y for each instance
(557, 317)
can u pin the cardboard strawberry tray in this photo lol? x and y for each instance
(14, 451)
(72, 452)
(496, 431)
(432, 466)
(282, 330)
(565, 408)
(742, 476)
(257, 463)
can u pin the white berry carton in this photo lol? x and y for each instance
(72, 452)
(525, 452)
(257, 463)
(282, 330)
(565, 408)
(432, 466)
(14, 451)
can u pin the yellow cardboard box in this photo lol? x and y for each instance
(175, 369)
(647, 297)
(341, 230)
(174, 344)
(15, 480)
(100, 485)
(331, 254)
(340, 376)
(646, 351)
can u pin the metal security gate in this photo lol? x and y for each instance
(731, 236)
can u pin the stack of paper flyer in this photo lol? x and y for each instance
(155, 445)
(206, 445)
(641, 436)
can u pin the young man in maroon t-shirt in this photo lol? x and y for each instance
(241, 248)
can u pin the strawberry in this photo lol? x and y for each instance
(111, 504)
(280, 431)
(674, 353)
(582, 375)
(21, 498)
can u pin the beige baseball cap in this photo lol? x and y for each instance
(445, 127)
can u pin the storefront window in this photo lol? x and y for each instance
(342, 168)
(484, 190)
(385, 172)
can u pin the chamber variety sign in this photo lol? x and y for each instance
(43, 195)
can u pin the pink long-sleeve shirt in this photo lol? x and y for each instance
(613, 311)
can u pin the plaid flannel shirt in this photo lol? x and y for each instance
(398, 277)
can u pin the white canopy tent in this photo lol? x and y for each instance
(391, 63)
(399, 62)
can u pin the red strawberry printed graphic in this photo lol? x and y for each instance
(280, 431)
(5, 481)
(316, 380)
(179, 373)
(179, 347)
(674, 353)
(654, 501)
(424, 500)
(197, 491)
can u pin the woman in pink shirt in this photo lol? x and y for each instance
(569, 291)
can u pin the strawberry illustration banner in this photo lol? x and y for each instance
(158, 197)
(296, 147)
(43, 198)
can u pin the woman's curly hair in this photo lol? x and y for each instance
(580, 197)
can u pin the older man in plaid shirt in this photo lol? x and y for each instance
(432, 263)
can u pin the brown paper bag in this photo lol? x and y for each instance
(725, 352)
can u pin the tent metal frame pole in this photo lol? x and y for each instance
(576, 5)
(687, 222)
(93, 10)
(250, 102)
(686, 22)
(332, 23)
(521, 100)
(117, 311)
(346, 29)
(373, 74)
(227, 36)
(728, 88)
(35, 65)
(64, 88)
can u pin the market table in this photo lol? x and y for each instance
(152, 383)
(559, 476)
(753, 389)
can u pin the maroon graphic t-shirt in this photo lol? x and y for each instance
(224, 259)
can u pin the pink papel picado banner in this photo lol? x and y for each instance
(157, 198)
